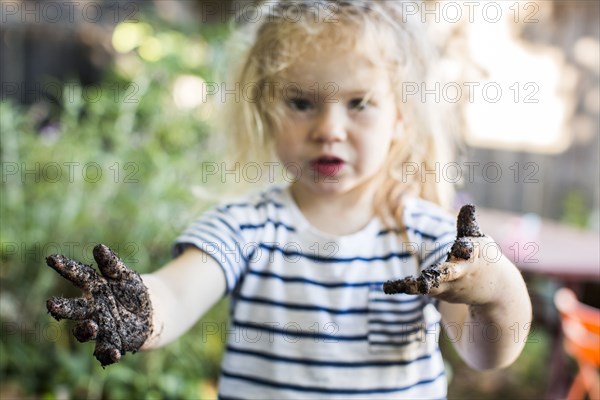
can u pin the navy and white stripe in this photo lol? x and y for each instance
(309, 317)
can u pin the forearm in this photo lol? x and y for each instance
(180, 293)
(167, 325)
(493, 334)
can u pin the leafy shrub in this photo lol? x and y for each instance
(118, 169)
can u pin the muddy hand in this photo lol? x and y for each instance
(450, 270)
(115, 308)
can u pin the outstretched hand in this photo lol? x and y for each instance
(115, 308)
(467, 275)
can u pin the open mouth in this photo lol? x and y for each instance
(327, 165)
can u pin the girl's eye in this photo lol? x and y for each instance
(358, 104)
(300, 104)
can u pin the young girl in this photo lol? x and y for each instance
(304, 263)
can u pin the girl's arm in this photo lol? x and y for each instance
(486, 305)
(180, 293)
(490, 331)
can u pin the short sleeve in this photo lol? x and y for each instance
(432, 229)
(217, 233)
(436, 249)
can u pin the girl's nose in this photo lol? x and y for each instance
(329, 125)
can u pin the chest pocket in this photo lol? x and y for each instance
(395, 322)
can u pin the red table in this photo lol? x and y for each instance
(544, 247)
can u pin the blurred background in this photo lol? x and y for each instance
(105, 120)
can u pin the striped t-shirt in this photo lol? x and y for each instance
(309, 316)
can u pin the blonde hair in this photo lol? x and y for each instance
(280, 32)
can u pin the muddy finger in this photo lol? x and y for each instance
(106, 354)
(462, 249)
(61, 308)
(108, 342)
(466, 224)
(429, 280)
(85, 331)
(80, 274)
(409, 285)
(110, 264)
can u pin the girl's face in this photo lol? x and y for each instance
(339, 120)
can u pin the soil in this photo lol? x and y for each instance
(115, 306)
(430, 277)
(466, 224)
(466, 227)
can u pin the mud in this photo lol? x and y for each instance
(462, 248)
(429, 278)
(115, 306)
(466, 224)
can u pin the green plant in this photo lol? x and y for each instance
(575, 210)
(117, 169)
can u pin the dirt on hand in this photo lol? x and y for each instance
(466, 228)
(115, 308)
